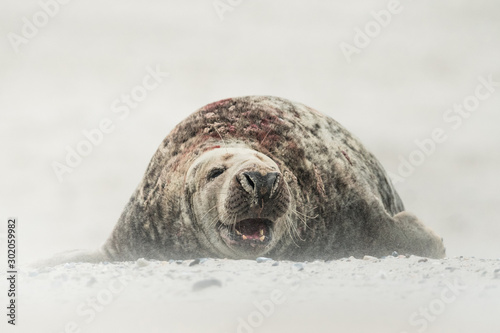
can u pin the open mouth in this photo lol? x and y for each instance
(252, 232)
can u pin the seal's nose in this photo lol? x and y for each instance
(261, 186)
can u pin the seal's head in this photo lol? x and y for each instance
(240, 200)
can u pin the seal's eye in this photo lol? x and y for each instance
(215, 172)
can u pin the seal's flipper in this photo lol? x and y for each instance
(419, 239)
(403, 233)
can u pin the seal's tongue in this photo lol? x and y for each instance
(252, 229)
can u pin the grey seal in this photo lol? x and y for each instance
(263, 176)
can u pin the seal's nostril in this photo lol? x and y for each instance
(249, 180)
(273, 181)
(271, 178)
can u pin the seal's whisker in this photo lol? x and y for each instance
(233, 225)
(292, 228)
(208, 211)
(288, 220)
(303, 218)
(223, 142)
(305, 215)
(214, 221)
(297, 232)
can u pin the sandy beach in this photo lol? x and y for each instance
(393, 294)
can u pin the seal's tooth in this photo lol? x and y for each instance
(261, 232)
(262, 238)
(243, 236)
(239, 233)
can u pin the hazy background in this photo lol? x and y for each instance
(394, 91)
